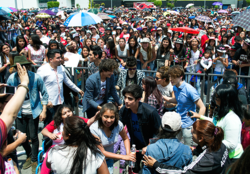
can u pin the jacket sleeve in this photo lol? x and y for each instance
(42, 89)
(113, 91)
(155, 118)
(119, 82)
(89, 93)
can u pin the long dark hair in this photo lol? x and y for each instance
(132, 48)
(165, 50)
(79, 136)
(58, 115)
(111, 44)
(86, 48)
(151, 88)
(2, 55)
(228, 96)
(36, 41)
(53, 42)
(212, 135)
(17, 46)
(180, 52)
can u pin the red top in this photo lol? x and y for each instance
(51, 126)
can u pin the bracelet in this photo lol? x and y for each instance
(26, 87)
(5, 65)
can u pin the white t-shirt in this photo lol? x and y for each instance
(166, 90)
(194, 56)
(61, 160)
(59, 134)
(219, 67)
(7, 60)
(95, 38)
(26, 107)
(121, 53)
(102, 93)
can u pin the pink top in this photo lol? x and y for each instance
(39, 55)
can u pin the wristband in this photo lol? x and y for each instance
(26, 87)
(5, 65)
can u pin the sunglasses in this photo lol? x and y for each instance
(157, 78)
(130, 69)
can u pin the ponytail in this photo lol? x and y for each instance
(211, 134)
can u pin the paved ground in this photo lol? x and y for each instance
(22, 157)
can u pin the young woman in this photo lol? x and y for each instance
(53, 44)
(110, 48)
(212, 44)
(21, 46)
(147, 55)
(121, 51)
(194, 24)
(4, 62)
(134, 49)
(164, 53)
(95, 36)
(165, 86)
(159, 36)
(152, 95)
(107, 128)
(80, 151)
(224, 40)
(179, 52)
(36, 52)
(87, 42)
(85, 54)
(101, 43)
(211, 151)
(228, 118)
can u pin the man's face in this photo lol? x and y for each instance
(57, 59)
(108, 74)
(175, 81)
(130, 101)
(38, 32)
(92, 57)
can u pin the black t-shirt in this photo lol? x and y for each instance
(241, 55)
(130, 81)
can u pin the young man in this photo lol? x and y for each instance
(95, 56)
(187, 98)
(99, 86)
(142, 120)
(33, 109)
(130, 75)
(53, 76)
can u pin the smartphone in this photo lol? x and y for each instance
(190, 113)
(8, 90)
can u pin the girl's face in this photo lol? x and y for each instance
(85, 52)
(217, 100)
(206, 55)
(53, 46)
(145, 45)
(178, 46)
(27, 32)
(66, 112)
(121, 43)
(49, 32)
(132, 42)
(159, 31)
(219, 53)
(103, 55)
(21, 43)
(118, 31)
(101, 43)
(6, 49)
(88, 42)
(212, 42)
(245, 46)
(158, 78)
(55, 35)
(108, 118)
(165, 43)
(68, 39)
(224, 39)
(74, 44)
(194, 43)
(136, 34)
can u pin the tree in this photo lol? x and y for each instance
(158, 3)
(248, 2)
(77, 6)
(51, 4)
(103, 4)
(97, 5)
(151, 0)
(216, 6)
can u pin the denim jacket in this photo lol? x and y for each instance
(92, 90)
(170, 152)
(36, 85)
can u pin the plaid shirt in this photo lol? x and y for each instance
(152, 101)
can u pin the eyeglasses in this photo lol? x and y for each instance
(130, 69)
(157, 78)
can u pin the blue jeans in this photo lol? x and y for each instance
(152, 66)
(110, 164)
(138, 65)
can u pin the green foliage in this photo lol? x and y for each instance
(158, 3)
(51, 4)
(248, 2)
(114, 6)
(170, 5)
(77, 6)
(91, 6)
(103, 4)
(216, 6)
(151, 0)
(97, 5)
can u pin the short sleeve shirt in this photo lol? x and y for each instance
(107, 142)
(186, 96)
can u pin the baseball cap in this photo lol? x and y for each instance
(92, 27)
(171, 119)
(75, 35)
(158, 29)
(179, 40)
(145, 40)
(144, 27)
(153, 29)
(62, 26)
(118, 28)
(168, 24)
(108, 28)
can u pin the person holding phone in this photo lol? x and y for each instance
(33, 109)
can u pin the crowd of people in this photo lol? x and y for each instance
(137, 91)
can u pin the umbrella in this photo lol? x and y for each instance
(189, 5)
(109, 12)
(222, 11)
(82, 19)
(3, 13)
(94, 10)
(24, 11)
(136, 19)
(166, 13)
(118, 11)
(8, 10)
(219, 17)
(13, 9)
(235, 13)
(34, 11)
(185, 30)
(149, 17)
(217, 3)
(242, 20)
(112, 16)
(104, 16)
(132, 8)
(54, 9)
(29, 14)
(49, 12)
(43, 15)
(203, 19)
(5, 18)
(146, 9)
(173, 12)
(191, 17)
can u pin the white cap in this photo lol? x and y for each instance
(171, 119)
(145, 40)
(75, 35)
(135, 29)
(92, 27)
(88, 31)
(124, 23)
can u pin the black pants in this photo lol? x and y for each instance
(50, 114)
(23, 124)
